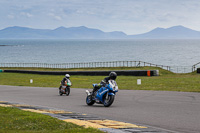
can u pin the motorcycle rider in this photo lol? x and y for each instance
(112, 76)
(66, 78)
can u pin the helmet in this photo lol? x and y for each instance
(113, 75)
(67, 75)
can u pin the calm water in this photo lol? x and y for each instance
(162, 52)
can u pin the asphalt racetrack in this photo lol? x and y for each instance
(174, 111)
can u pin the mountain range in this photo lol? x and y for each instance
(82, 32)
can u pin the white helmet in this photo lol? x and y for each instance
(67, 75)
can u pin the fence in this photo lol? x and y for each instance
(195, 66)
(85, 64)
(174, 69)
(181, 69)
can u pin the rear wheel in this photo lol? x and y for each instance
(89, 100)
(108, 100)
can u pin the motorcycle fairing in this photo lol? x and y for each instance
(111, 93)
(101, 92)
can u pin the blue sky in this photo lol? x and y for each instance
(129, 16)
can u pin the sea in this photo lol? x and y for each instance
(173, 52)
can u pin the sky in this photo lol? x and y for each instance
(129, 16)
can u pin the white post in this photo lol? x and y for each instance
(138, 81)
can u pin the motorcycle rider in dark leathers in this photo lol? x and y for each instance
(112, 76)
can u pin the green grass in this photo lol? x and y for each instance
(167, 81)
(13, 120)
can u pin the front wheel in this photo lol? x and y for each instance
(89, 100)
(60, 92)
(108, 100)
(67, 91)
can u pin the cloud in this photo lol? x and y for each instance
(10, 16)
(26, 14)
(56, 17)
(130, 16)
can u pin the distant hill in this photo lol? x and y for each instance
(175, 32)
(82, 32)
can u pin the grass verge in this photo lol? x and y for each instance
(167, 81)
(13, 120)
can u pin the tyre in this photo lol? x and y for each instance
(107, 102)
(67, 91)
(89, 100)
(60, 93)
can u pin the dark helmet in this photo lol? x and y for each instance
(113, 75)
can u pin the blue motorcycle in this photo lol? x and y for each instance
(105, 95)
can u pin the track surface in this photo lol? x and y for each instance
(176, 111)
